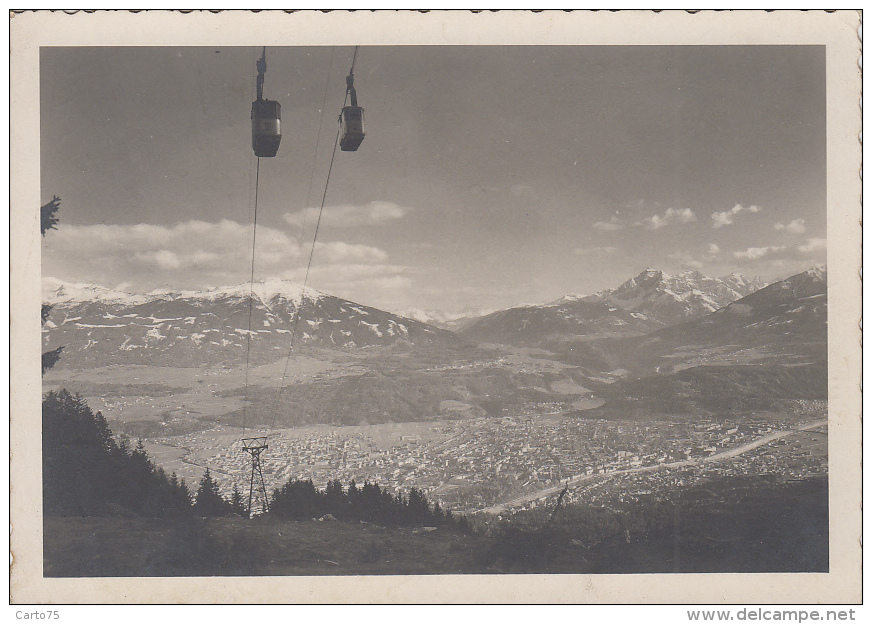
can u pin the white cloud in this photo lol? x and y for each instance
(727, 217)
(682, 215)
(654, 222)
(350, 271)
(812, 245)
(797, 226)
(594, 251)
(348, 215)
(339, 252)
(163, 258)
(612, 225)
(755, 253)
(713, 249)
(189, 244)
(364, 283)
(197, 254)
(679, 215)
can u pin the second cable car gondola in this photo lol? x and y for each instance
(351, 131)
(266, 118)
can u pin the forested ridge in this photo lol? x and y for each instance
(87, 472)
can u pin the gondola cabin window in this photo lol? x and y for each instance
(351, 128)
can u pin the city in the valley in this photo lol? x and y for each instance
(500, 464)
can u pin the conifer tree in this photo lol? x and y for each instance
(352, 496)
(180, 495)
(237, 503)
(209, 501)
(418, 509)
(47, 215)
(301, 500)
(86, 472)
(333, 498)
(47, 221)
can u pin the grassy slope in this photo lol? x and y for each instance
(233, 546)
(754, 527)
(743, 524)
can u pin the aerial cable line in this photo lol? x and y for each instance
(297, 313)
(302, 225)
(265, 139)
(251, 187)
(250, 296)
(317, 146)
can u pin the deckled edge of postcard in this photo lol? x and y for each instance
(838, 31)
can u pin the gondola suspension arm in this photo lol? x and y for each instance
(261, 72)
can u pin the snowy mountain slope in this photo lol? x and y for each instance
(647, 302)
(790, 309)
(785, 321)
(671, 299)
(99, 326)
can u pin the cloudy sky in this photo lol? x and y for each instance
(489, 176)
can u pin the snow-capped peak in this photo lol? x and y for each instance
(266, 291)
(818, 273)
(738, 278)
(570, 298)
(675, 298)
(649, 272)
(55, 291)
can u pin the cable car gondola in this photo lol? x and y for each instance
(351, 120)
(266, 118)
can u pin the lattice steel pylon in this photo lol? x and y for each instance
(255, 447)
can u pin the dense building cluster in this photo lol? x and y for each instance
(476, 464)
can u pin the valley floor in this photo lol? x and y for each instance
(497, 464)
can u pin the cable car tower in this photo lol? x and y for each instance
(254, 447)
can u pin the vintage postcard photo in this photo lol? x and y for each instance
(435, 307)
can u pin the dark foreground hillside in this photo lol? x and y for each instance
(234, 546)
(783, 528)
(726, 524)
(750, 524)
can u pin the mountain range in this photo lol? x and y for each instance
(100, 326)
(658, 341)
(647, 302)
(785, 322)
(671, 299)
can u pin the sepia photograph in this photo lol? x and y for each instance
(496, 299)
